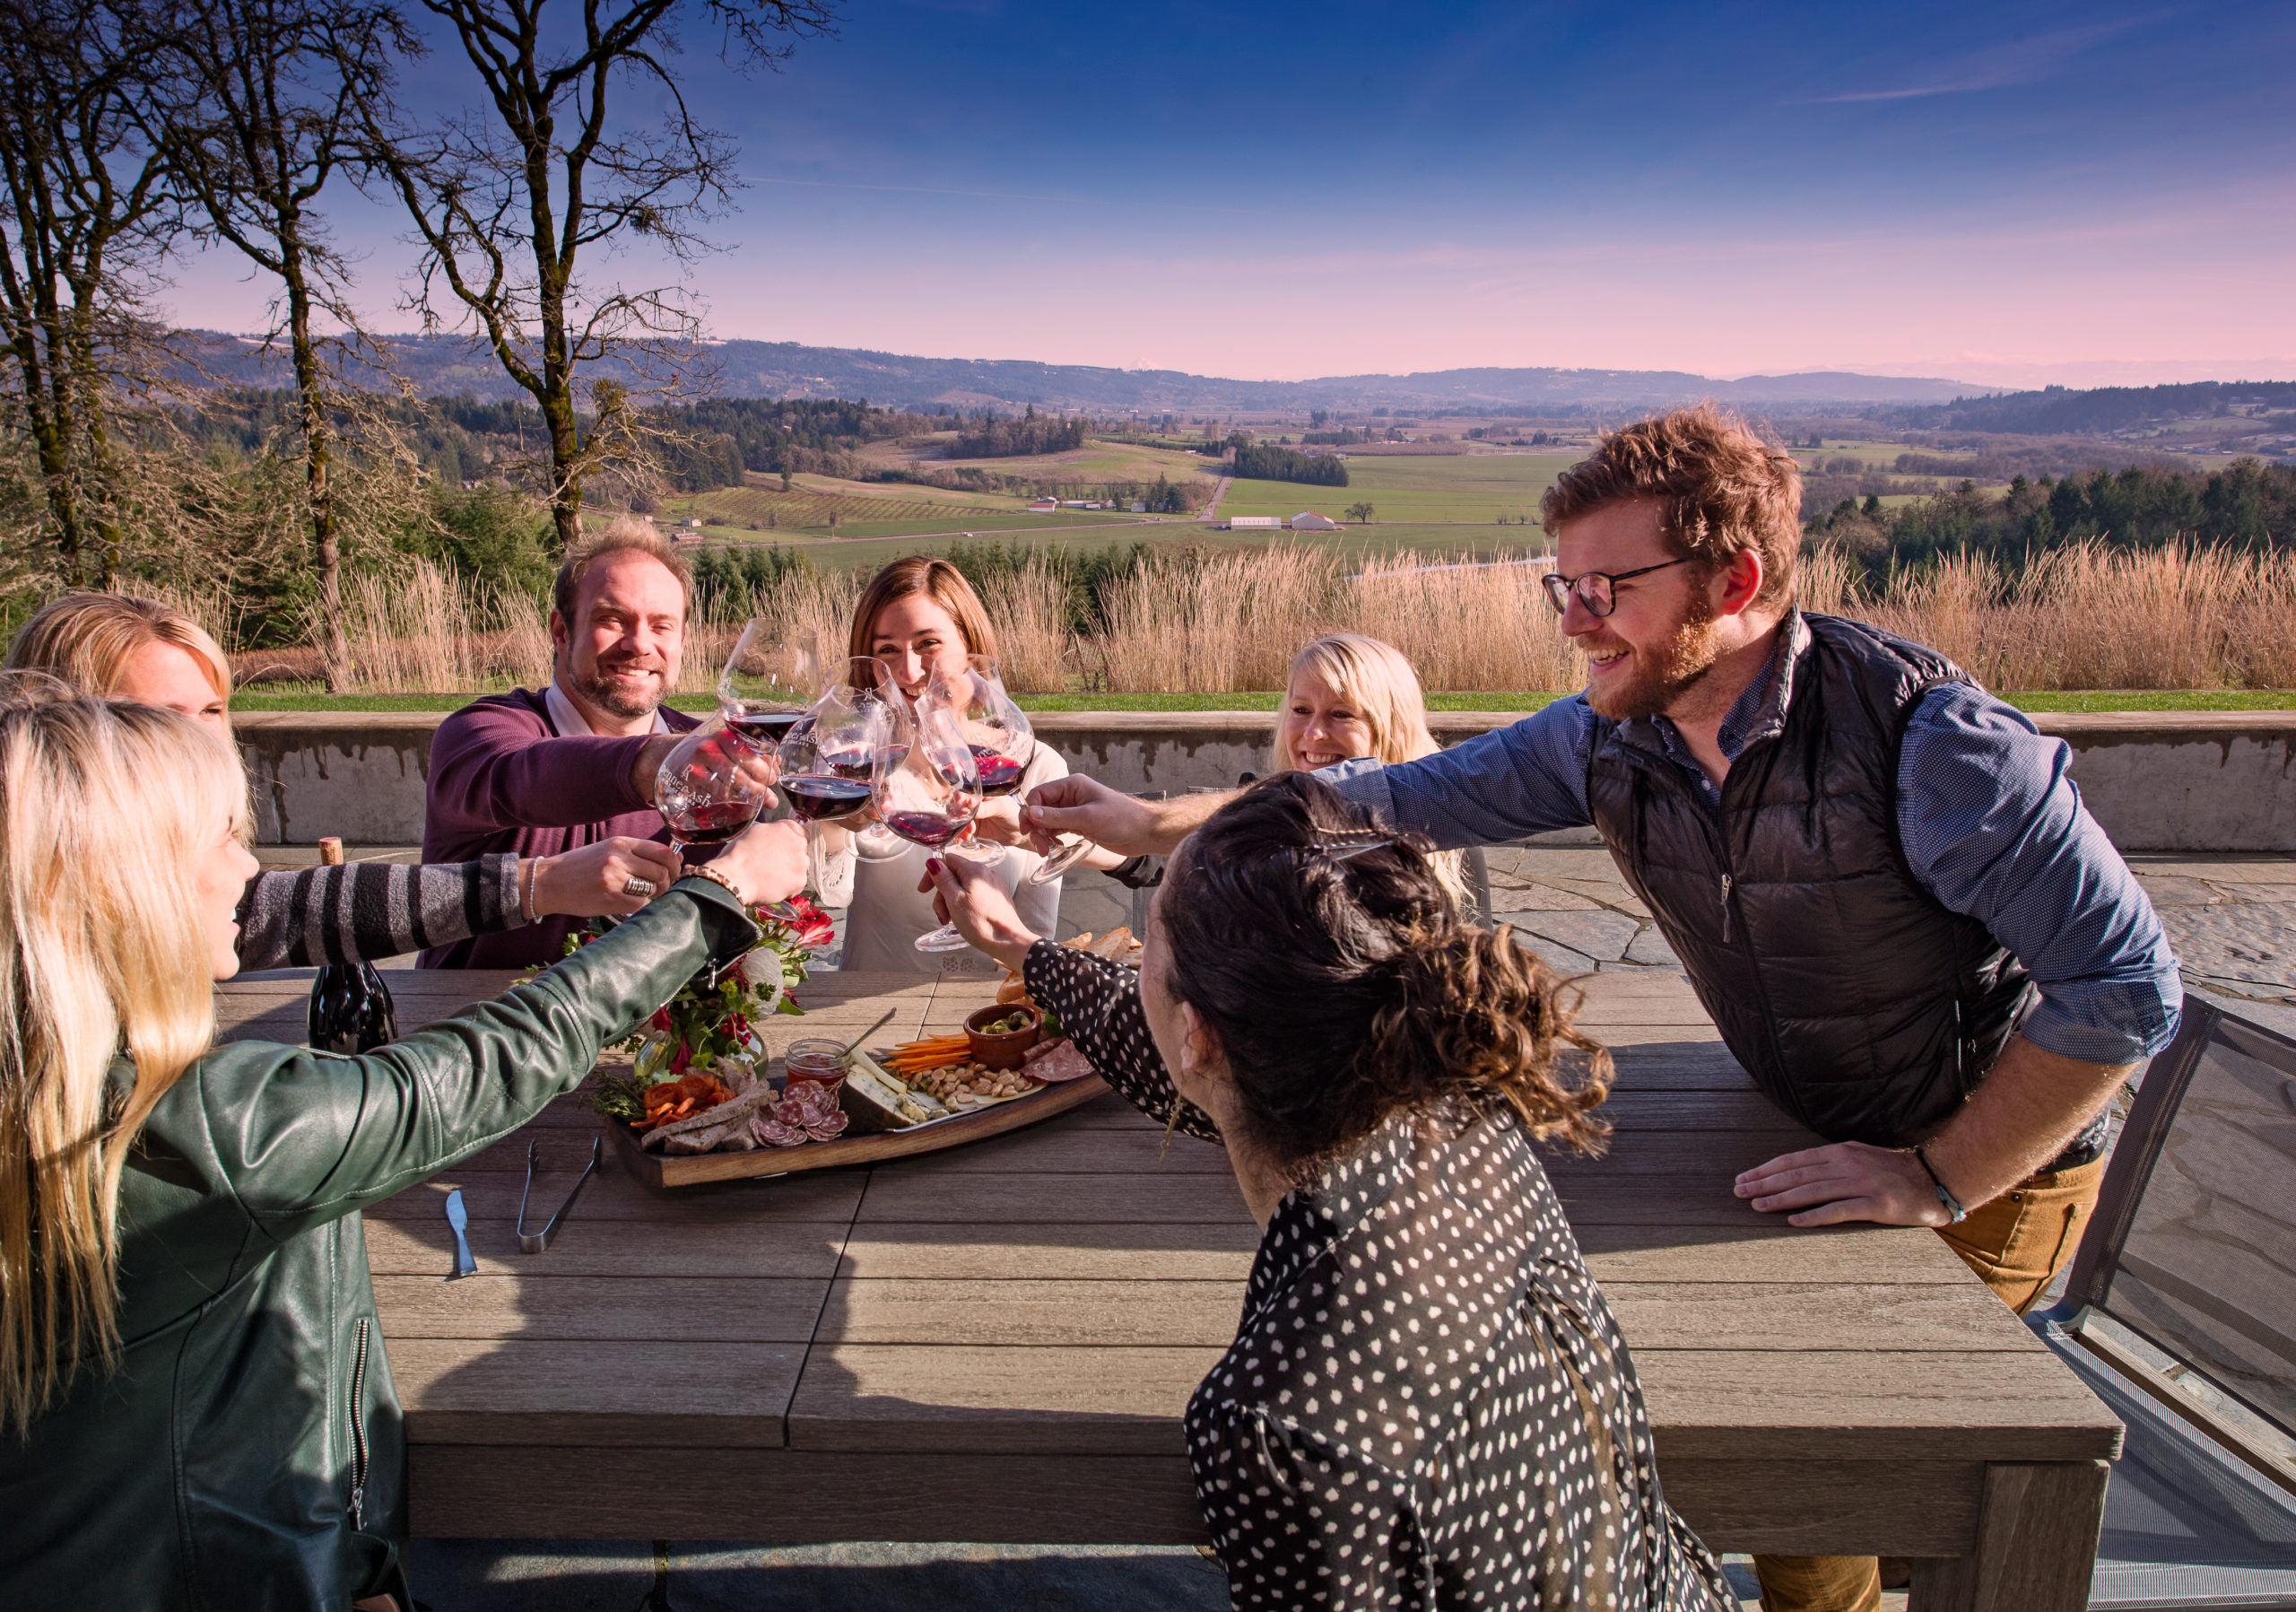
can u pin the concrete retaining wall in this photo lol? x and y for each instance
(2165, 780)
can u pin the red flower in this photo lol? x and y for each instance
(807, 925)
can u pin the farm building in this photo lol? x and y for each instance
(1044, 506)
(1307, 520)
(1246, 523)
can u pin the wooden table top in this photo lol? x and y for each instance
(998, 1341)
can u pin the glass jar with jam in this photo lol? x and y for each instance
(816, 1059)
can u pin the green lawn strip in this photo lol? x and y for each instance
(1265, 701)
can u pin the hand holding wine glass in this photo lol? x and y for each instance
(995, 730)
(927, 794)
(710, 788)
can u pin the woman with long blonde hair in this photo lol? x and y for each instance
(120, 646)
(196, 1408)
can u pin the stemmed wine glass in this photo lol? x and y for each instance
(927, 794)
(995, 730)
(768, 683)
(712, 786)
(829, 761)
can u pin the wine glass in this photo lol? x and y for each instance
(1065, 856)
(829, 761)
(768, 683)
(712, 786)
(997, 731)
(928, 795)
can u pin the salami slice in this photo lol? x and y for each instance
(1064, 1062)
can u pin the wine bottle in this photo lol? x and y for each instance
(351, 1007)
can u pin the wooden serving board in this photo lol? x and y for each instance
(691, 1168)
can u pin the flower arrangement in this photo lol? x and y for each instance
(712, 1020)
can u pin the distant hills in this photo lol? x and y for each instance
(440, 366)
(2056, 412)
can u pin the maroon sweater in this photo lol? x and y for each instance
(502, 779)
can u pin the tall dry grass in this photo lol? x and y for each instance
(418, 630)
(2085, 616)
(2089, 616)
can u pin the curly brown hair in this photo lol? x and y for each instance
(1322, 951)
(1719, 486)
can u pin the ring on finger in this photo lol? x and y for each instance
(634, 885)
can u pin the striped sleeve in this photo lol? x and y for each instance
(364, 911)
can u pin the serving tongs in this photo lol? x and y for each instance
(534, 1242)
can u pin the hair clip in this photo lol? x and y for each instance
(1341, 853)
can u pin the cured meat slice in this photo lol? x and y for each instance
(1064, 1062)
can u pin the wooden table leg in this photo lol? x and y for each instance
(2036, 1544)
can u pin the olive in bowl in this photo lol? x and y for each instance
(1000, 1034)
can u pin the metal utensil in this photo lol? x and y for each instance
(534, 1242)
(458, 1217)
(871, 1030)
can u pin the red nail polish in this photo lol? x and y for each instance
(933, 865)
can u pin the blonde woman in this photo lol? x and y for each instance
(195, 1407)
(120, 646)
(1350, 694)
(1347, 695)
(920, 619)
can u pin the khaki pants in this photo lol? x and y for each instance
(2016, 1242)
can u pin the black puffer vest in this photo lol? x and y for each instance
(1859, 1005)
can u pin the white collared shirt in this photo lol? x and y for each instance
(567, 717)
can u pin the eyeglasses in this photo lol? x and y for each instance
(1594, 588)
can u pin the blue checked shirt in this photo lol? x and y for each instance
(1991, 823)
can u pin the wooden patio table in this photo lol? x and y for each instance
(995, 1343)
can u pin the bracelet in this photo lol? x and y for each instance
(702, 870)
(527, 889)
(1945, 1195)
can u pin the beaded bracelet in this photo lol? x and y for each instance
(702, 870)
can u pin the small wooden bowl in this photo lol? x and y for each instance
(1002, 1051)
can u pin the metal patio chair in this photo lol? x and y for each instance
(2189, 1267)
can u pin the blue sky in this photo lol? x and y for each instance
(2001, 193)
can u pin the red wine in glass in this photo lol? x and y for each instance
(765, 729)
(855, 764)
(931, 829)
(709, 822)
(814, 796)
(1000, 774)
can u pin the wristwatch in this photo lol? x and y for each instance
(1953, 1204)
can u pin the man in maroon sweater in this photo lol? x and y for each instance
(541, 772)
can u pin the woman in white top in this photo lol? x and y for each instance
(921, 618)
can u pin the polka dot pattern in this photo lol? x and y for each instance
(1428, 1403)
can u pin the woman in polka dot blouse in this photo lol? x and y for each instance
(1428, 1403)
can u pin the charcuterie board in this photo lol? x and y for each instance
(688, 1170)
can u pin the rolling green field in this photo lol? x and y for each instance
(1467, 489)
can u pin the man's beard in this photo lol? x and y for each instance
(1688, 656)
(607, 697)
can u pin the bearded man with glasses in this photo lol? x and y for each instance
(1879, 878)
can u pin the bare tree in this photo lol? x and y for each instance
(506, 201)
(259, 105)
(88, 198)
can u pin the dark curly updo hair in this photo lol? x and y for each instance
(1322, 950)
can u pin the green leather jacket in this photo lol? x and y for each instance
(247, 1454)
